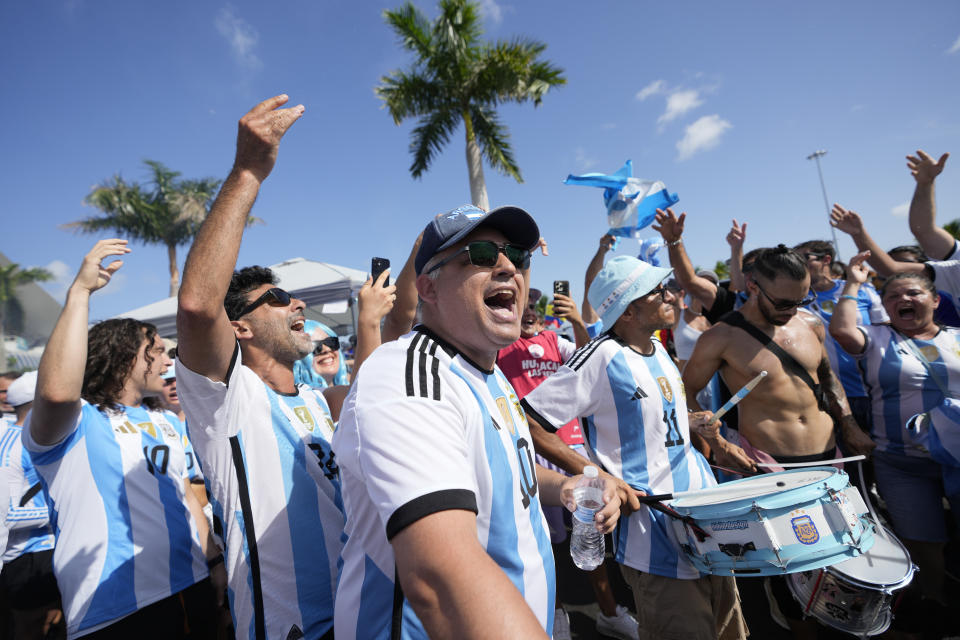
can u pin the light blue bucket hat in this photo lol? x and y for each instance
(621, 281)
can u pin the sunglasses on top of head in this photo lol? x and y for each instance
(486, 253)
(785, 305)
(275, 296)
(333, 342)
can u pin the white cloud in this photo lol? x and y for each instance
(702, 135)
(241, 37)
(492, 10)
(62, 278)
(955, 47)
(608, 126)
(652, 89)
(583, 161)
(901, 210)
(678, 103)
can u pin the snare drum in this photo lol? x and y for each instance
(777, 523)
(855, 595)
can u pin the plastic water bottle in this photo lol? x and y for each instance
(586, 543)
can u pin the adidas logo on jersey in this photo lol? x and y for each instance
(638, 394)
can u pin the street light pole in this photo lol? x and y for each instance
(815, 156)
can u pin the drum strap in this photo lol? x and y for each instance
(736, 319)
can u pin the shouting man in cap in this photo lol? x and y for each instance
(634, 418)
(446, 535)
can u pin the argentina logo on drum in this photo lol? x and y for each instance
(805, 530)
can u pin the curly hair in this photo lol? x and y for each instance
(780, 261)
(243, 282)
(112, 348)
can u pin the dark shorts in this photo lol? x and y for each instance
(28, 581)
(191, 613)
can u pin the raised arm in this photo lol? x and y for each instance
(565, 307)
(587, 311)
(671, 228)
(374, 302)
(851, 223)
(206, 337)
(736, 238)
(923, 213)
(60, 375)
(843, 322)
(404, 312)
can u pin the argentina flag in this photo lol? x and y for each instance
(631, 202)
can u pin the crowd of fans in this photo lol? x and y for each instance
(255, 480)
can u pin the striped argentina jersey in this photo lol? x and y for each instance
(124, 536)
(634, 418)
(425, 430)
(900, 385)
(27, 516)
(869, 311)
(267, 462)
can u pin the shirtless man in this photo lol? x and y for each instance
(783, 419)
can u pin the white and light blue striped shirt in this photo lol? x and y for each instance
(425, 430)
(633, 411)
(274, 485)
(29, 523)
(124, 536)
(900, 385)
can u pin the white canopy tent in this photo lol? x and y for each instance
(329, 291)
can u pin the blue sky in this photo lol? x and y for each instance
(722, 101)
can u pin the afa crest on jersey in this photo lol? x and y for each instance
(305, 417)
(505, 414)
(665, 389)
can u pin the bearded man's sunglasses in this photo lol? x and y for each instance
(275, 296)
(485, 253)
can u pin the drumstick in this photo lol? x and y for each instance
(739, 395)
(815, 463)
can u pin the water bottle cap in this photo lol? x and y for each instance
(591, 471)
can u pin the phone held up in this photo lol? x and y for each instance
(562, 287)
(378, 266)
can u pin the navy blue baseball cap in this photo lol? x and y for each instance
(448, 228)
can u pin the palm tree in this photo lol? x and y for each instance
(11, 277)
(458, 77)
(166, 211)
(953, 228)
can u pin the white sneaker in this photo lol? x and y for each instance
(561, 625)
(622, 625)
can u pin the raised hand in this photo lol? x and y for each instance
(375, 300)
(92, 274)
(847, 221)
(607, 242)
(737, 235)
(669, 225)
(923, 168)
(856, 270)
(259, 134)
(565, 307)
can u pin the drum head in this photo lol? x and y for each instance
(767, 484)
(887, 563)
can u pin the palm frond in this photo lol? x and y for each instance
(408, 94)
(494, 141)
(510, 71)
(413, 28)
(458, 28)
(428, 138)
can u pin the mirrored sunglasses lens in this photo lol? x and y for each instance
(519, 256)
(483, 254)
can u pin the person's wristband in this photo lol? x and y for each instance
(214, 561)
(849, 297)
(675, 242)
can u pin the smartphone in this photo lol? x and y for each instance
(562, 287)
(378, 266)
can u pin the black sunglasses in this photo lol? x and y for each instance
(485, 253)
(274, 296)
(331, 341)
(785, 305)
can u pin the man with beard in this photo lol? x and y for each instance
(262, 440)
(790, 418)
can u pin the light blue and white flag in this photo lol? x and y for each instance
(941, 428)
(631, 202)
(649, 248)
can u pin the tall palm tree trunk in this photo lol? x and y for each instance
(174, 271)
(3, 338)
(478, 186)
